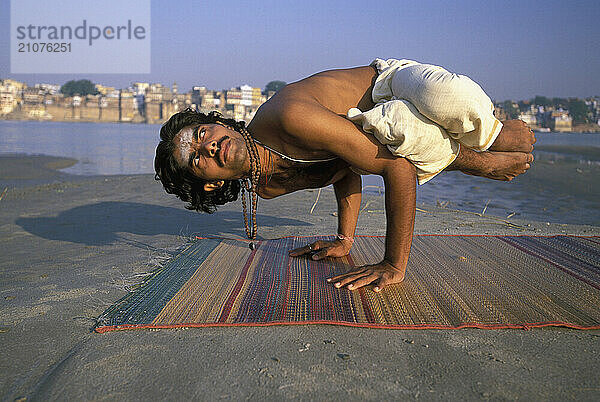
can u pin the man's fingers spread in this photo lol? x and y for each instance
(383, 282)
(317, 245)
(342, 276)
(358, 271)
(363, 281)
(297, 251)
(351, 278)
(306, 249)
(321, 254)
(300, 250)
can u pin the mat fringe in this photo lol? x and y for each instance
(156, 264)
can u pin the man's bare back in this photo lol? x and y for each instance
(334, 90)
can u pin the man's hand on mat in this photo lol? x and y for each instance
(379, 275)
(323, 248)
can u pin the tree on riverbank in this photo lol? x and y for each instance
(274, 86)
(579, 111)
(79, 87)
(510, 109)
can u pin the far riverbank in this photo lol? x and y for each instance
(19, 116)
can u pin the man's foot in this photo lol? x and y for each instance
(493, 165)
(504, 165)
(515, 136)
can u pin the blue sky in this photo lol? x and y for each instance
(513, 49)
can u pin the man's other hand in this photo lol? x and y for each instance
(324, 248)
(379, 275)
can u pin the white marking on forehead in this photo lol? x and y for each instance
(186, 139)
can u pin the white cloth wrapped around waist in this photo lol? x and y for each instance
(423, 112)
(398, 125)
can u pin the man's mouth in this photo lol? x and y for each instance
(224, 150)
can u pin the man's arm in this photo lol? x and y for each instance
(400, 199)
(400, 205)
(348, 193)
(314, 126)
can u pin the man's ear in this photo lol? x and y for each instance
(214, 185)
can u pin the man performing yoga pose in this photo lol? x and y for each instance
(416, 121)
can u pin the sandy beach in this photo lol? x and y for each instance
(70, 245)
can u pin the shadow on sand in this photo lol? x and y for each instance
(105, 222)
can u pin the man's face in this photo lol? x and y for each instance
(211, 152)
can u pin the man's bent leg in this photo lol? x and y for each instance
(398, 125)
(453, 101)
(491, 164)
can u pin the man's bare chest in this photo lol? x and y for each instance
(300, 176)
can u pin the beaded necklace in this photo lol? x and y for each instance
(251, 186)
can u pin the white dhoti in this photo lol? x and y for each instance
(423, 113)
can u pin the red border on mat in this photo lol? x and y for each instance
(344, 323)
(421, 234)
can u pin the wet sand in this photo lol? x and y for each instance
(69, 245)
(19, 170)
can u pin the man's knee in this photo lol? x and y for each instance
(431, 86)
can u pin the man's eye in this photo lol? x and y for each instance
(202, 132)
(196, 160)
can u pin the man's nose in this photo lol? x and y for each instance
(210, 147)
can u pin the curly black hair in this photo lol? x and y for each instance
(179, 181)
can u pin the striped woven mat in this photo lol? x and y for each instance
(451, 282)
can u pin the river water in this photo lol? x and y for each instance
(563, 185)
